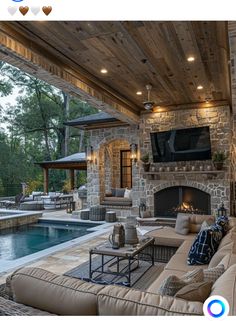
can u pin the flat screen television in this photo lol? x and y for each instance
(181, 145)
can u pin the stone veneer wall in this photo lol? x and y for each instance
(103, 141)
(218, 186)
(144, 186)
(9, 222)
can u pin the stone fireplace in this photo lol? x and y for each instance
(169, 184)
(170, 201)
(207, 187)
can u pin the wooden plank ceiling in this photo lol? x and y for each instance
(138, 53)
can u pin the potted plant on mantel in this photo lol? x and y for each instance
(219, 159)
(146, 163)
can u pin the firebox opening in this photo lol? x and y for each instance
(173, 200)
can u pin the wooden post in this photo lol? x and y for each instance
(45, 183)
(72, 179)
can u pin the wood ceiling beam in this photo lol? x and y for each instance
(20, 52)
(197, 105)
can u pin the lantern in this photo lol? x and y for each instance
(222, 210)
(142, 209)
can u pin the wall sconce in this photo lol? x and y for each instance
(90, 154)
(134, 152)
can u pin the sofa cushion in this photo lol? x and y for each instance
(212, 274)
(228, 238)
(11, 308)
(225, 286)
(232, 222)
(52, 293)
(179, 262)
(228, 260)
(198, 291)
(219, 255)
(119, 201)
(114, 300)
(168, 237)
(120, 192)
(185, 247)
(182, 224)
(195, 222)
(205, 245)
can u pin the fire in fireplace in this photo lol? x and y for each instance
(187, 208)
(173, 200)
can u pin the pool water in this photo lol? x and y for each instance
(28, 239)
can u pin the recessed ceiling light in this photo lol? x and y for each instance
(190, 58)
(103, 71)
(199, 87)
(139, 93)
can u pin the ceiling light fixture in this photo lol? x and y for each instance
(200, 87)
(148, 105)
(139, 93)
(104, 71)
(190, 58)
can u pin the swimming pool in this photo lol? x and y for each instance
(24, 240)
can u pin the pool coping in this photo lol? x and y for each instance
(6, 265)
(21, 213)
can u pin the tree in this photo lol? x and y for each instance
(35, 126)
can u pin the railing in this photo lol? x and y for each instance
(10, 190)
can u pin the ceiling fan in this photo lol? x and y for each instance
(148, 105)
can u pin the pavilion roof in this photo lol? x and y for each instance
(74, 161)
(94, 121)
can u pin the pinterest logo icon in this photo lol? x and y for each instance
(216, 307)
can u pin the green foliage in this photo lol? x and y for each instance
(35, 185)
(145, 158)
(34, 130)
(219, 157)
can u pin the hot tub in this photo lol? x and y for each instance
(13, 218)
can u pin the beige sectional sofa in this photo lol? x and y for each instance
(62, 295)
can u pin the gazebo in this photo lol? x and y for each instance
(73, 162)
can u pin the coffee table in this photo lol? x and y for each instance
(124, 266)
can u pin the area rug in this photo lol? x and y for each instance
(138, 281)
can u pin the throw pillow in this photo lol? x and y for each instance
(193, 276)
(223, 222)
(146, 214)
(182, 224)
(172, 284)
(199, 291)
(205, 225)
(113, 192)
(211, 275)
(120, 192)
(127, 193)
(205, 246)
